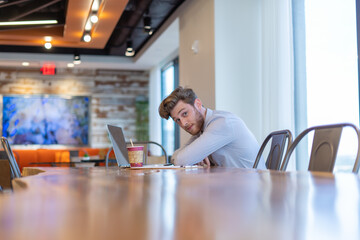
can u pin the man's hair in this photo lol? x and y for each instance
(167, 105)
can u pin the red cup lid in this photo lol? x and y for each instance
(135, 148)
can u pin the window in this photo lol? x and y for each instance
(326, 33)
(170, 131)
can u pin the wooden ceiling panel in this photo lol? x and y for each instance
(70, 35)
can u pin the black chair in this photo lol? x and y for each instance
(276, 151)
(324, 147)
(15, 170)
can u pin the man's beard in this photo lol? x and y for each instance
(199, 121)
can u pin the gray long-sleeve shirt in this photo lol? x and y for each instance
(225, 139)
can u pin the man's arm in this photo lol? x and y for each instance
(216, 135)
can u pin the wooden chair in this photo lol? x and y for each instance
(15, 171)
(324, 147)
(276, 151)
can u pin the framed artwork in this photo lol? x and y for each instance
(46, 119)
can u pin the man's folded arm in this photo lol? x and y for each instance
(200, 148)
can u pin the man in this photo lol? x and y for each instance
(218, 137)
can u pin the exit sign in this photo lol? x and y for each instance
(48, 69)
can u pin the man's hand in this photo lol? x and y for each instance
(205, 162)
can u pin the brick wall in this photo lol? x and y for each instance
(113, 94)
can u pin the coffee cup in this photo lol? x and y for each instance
(136, 156)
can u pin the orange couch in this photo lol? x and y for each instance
(29, 157)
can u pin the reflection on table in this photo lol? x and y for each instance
(197, 203)
(90, 161)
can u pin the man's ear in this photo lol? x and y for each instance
(198, 104)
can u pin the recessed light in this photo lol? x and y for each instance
(25, 64)
(87, 37)
(48, 39)
(70, 65)
(88, 26)
(94, 18)
(95, 6)
(48, 45)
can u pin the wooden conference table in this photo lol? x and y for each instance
(191, 203)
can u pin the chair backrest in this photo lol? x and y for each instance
(5, 171)
(276, 151)
(15, 171)
(324, 147)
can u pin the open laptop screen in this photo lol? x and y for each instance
(119, 145)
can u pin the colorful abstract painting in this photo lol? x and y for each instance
(46, 120)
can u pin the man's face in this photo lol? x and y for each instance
(188, 117)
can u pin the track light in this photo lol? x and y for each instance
(77, 59)
(88, 25)
(147, 25)
(87, 37)
(94, 18)
(48, 44)
(129, 49)
(91, 20)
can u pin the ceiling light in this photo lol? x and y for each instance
(25, 64)
(96, 5)
(87, 37)
(88, 25)
(94, 18)
(48, 39)
(70, 65)
(147, 23)
(129, 49)
(48, 45)
(129, 54)
(39, 22)
(77, 59)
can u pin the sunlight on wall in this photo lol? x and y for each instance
(331, 64)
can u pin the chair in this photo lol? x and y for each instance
(5, 172)
(276, 151)
(145, 143)
(15, 171)
(324, 147)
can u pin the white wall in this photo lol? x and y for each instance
(244, 60)
(197, 71)
(238, 60)
(244, 64)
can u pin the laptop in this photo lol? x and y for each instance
(118, 142)
(121, 154)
